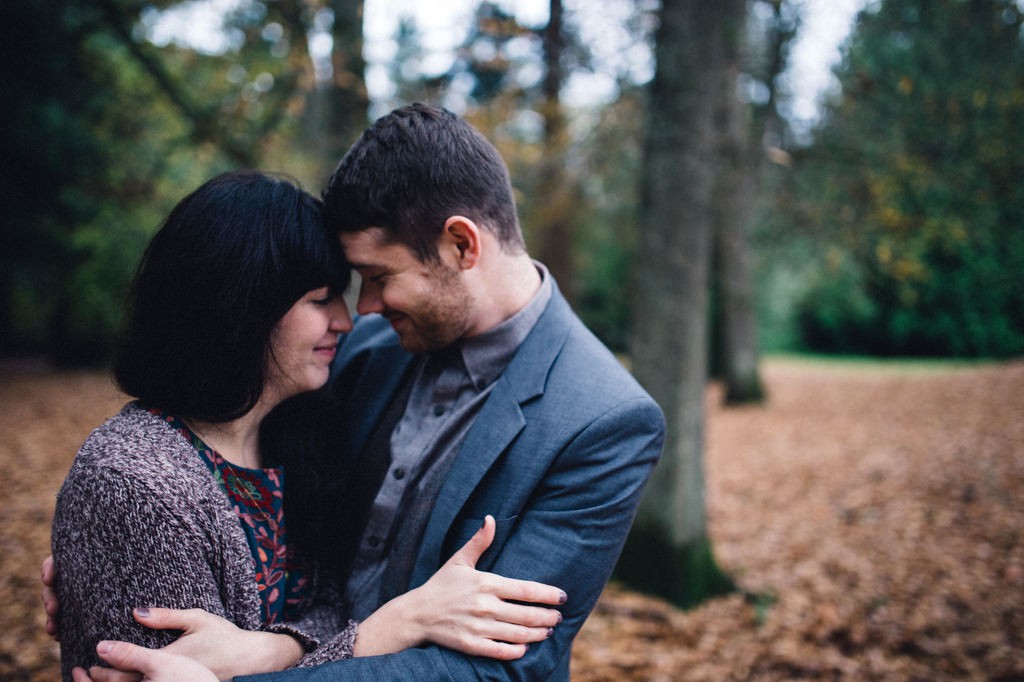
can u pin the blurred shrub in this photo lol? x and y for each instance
(835, 315)
(912, 190)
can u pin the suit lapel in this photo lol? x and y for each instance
(495, 427)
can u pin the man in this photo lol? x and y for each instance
(479, 392)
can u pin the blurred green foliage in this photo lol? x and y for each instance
(103, 133)
(913, 187)
(607, 234)
(596, 190)
(48, 152)
(898, 230)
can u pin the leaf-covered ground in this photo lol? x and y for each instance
(872, 515)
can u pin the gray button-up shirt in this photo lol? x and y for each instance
(449, 388)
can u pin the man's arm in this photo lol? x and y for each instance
(478, 613)
(570, 534)
(154, 665)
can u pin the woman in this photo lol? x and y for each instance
(235, 309)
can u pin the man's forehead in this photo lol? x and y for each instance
(369, 247)
(367, 240)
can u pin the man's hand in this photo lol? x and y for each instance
(215, 643)
(154, 665)
(220, 645)
(48, 576)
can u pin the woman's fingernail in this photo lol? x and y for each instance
(559, 618)
(551, 631)
(562, 597)
(104, 647)
(142, 611)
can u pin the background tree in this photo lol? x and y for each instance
(521, 108)
(606, 154)
(337, 104)
(740, 134)
(48, 152)
(107, 129)
(912, 186)
(236, 100)
(749, 130)
(669, 340)
(607, 214)
(89, 150)
(555, 187)
(733, 199)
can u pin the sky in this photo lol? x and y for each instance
(826, 25)
(443, 24)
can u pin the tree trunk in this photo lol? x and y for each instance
(338, 110)
(668, 552)
(555, 248)
(734, 194)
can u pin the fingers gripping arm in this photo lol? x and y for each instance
(466, 610)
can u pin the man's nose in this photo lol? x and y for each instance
(341, 320)
(369, 300)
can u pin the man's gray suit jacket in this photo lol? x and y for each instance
(559, 455)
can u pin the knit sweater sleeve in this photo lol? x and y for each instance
(324, 622)
(336, 648)
(120, 542)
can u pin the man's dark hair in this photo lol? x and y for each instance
(412, 170)
(227, 264)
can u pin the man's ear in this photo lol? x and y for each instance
(461, 239)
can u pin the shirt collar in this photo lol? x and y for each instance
(486, 355)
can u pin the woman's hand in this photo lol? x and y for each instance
(464, 609)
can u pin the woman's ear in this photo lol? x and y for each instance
(462, 239)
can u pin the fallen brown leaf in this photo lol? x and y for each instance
(873, 516)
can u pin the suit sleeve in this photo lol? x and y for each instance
(569, 534)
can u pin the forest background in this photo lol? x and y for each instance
(693, 218)
(893, 227)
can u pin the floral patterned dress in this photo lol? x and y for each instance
(256, 495)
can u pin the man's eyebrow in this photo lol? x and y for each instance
(367, 266)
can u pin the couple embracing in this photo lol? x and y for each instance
(438, 490)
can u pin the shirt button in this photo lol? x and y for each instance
(438, 410)
(398, 473)
(373, 541)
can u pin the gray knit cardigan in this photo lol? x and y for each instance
(141, 522)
